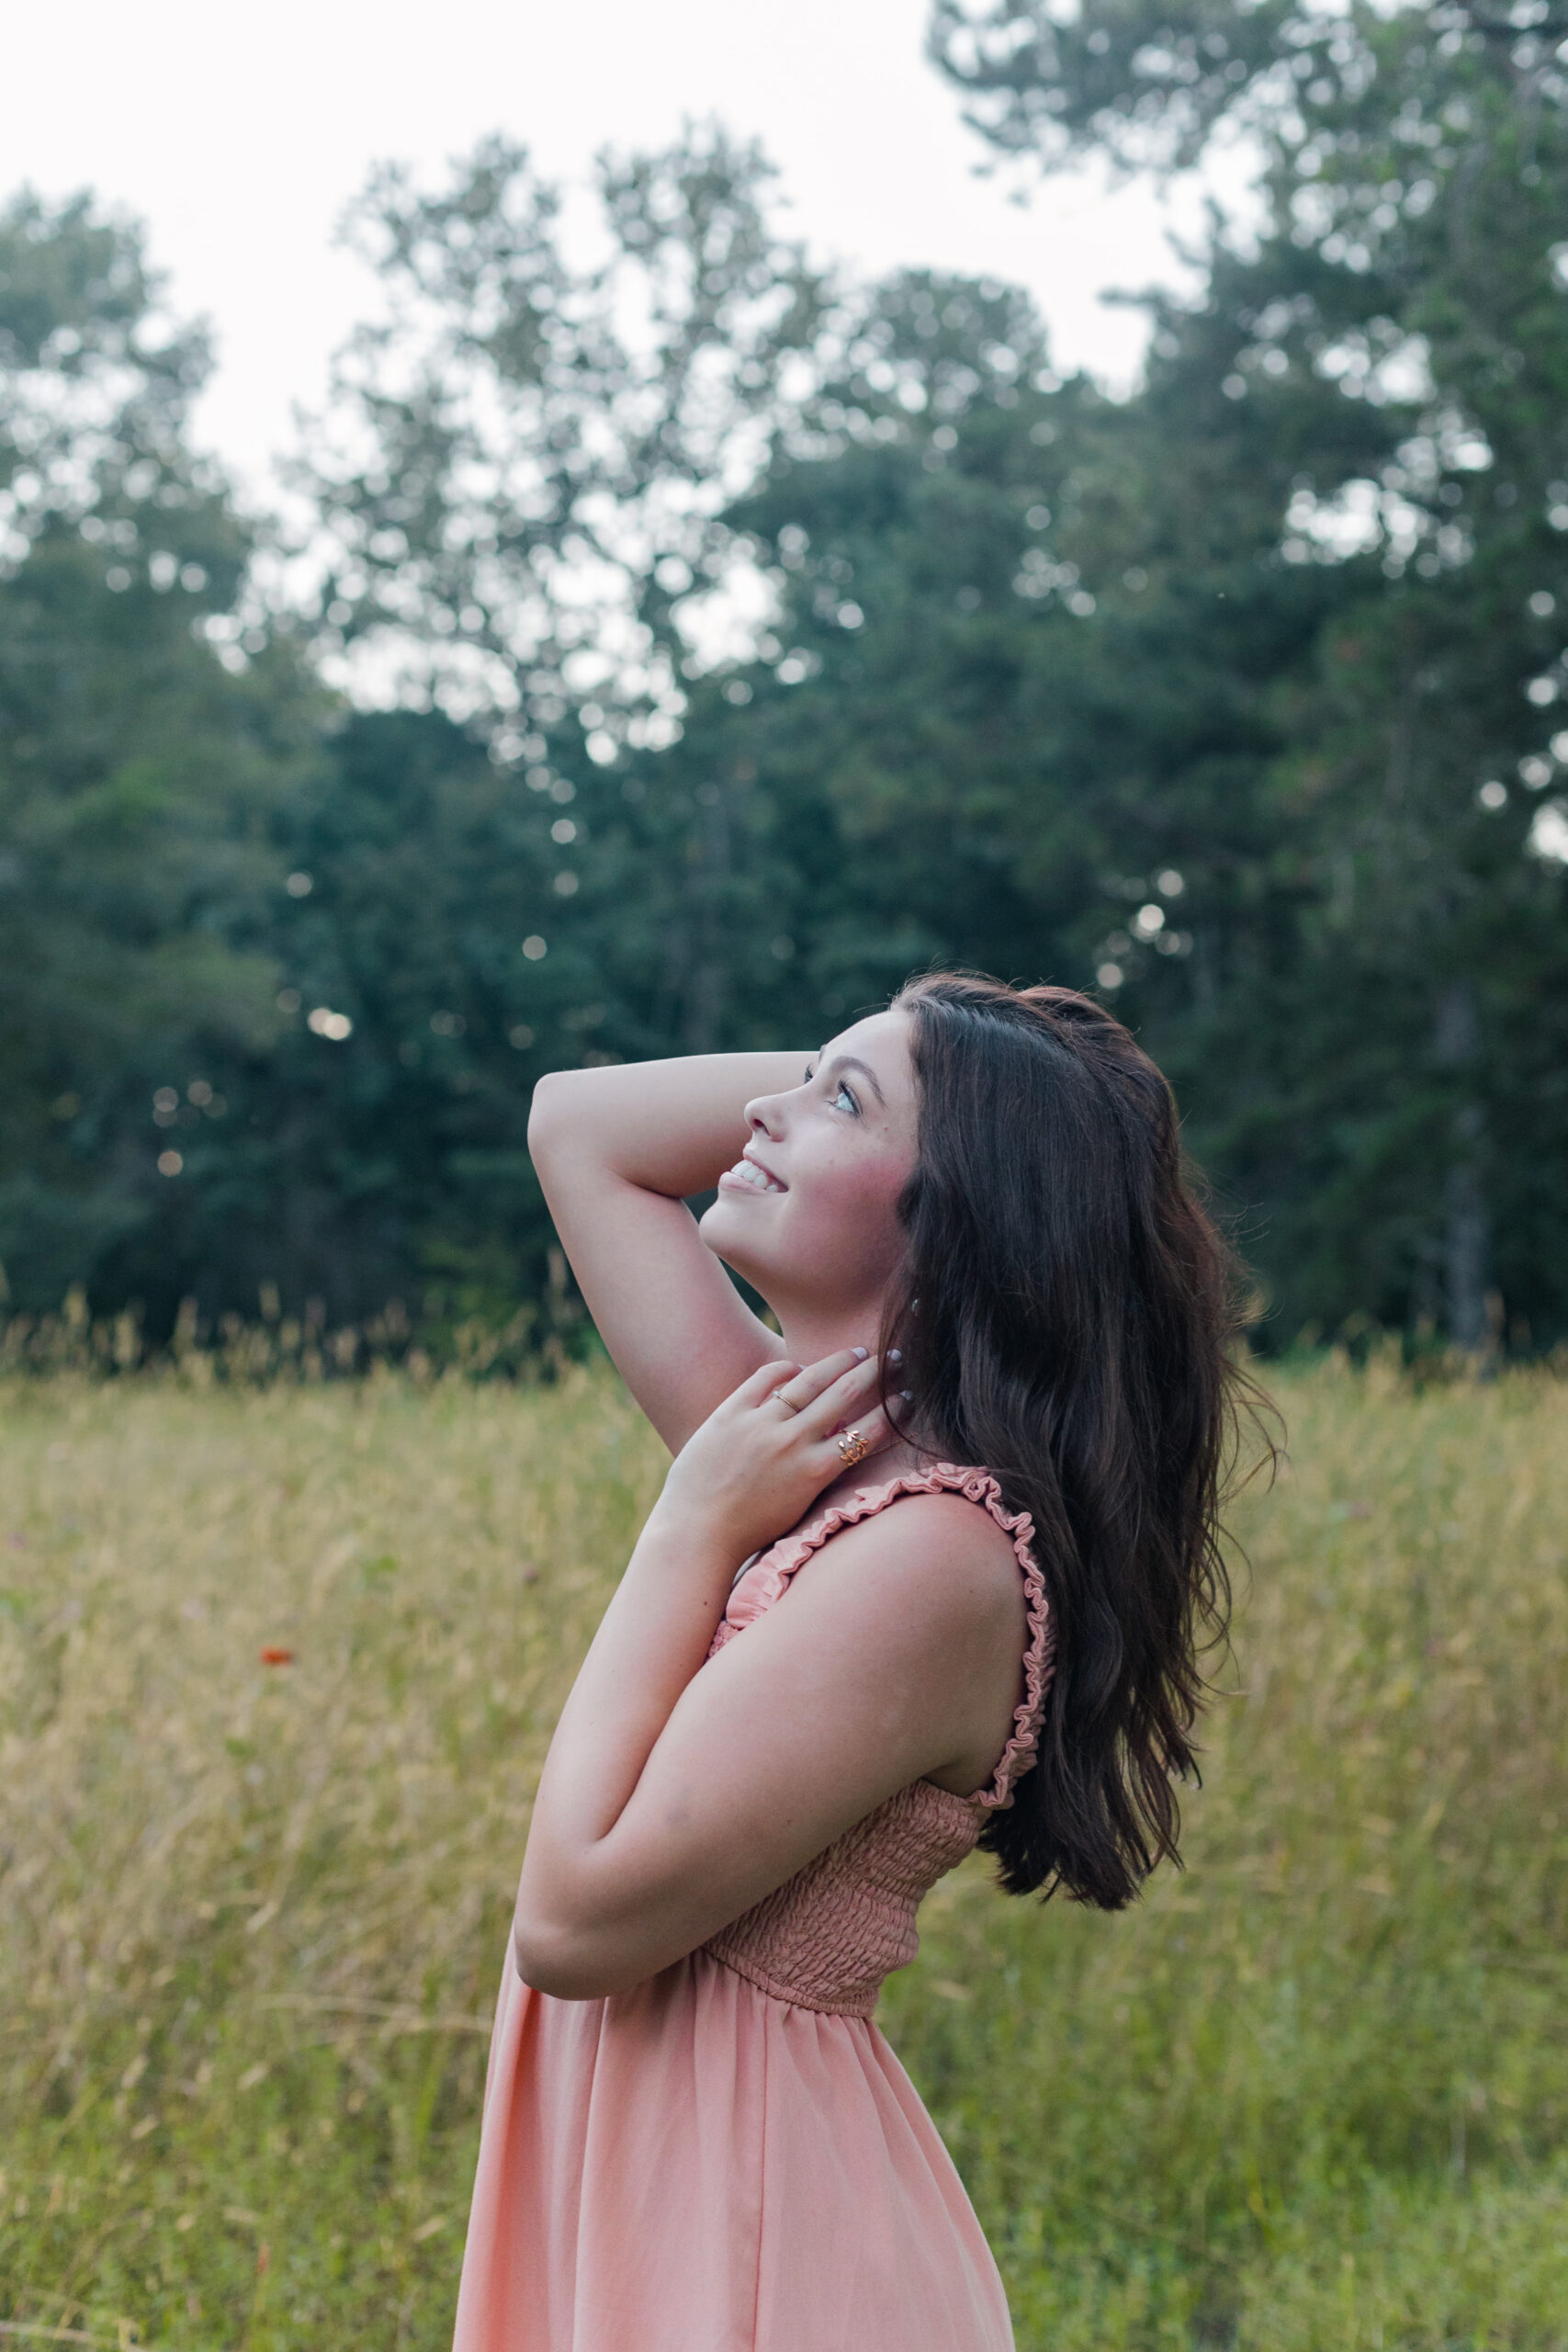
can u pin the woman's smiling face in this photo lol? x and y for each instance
(810, 1212)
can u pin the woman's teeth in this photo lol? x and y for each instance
(748, 1172)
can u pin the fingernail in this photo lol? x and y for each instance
(861, 1354)
(895, 1355)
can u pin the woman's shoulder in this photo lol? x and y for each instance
(930, 1550)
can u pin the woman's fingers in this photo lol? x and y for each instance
(807, 1386)
(871, 1427)
(840, 1399)
(765, 1381)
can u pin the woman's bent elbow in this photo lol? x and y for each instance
(554, 1961)
(547, 1111)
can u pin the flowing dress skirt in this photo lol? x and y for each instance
(697, 2166)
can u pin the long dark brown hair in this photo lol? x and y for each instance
(1067, 1319)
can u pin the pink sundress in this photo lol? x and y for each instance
(729, 2157)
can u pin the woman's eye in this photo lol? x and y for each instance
(844, 1097)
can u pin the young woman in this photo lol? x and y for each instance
(929, 1569)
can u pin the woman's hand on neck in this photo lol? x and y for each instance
(808, 1337)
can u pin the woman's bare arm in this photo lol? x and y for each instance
(895, 1657)
(617, 1151)
(676, 1793)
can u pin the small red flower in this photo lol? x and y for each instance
(272, 1656)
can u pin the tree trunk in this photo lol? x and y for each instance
(1464, 1199)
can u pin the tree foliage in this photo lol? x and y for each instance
(756, 636)
(137, 774)
(1392, 352)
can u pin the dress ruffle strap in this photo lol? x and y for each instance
(764, 1583)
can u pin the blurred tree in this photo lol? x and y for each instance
(864, 810)
(519, 484)
(137, 771)
(426, 983)
(1375, 1065)
(523, 461)
(937, 754)
(757, 639)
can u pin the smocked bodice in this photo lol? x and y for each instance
(826, 1938)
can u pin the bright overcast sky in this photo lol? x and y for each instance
(239, 135)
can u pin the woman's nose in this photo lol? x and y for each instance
(764, 1113)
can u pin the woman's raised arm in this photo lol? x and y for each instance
(618, 1151)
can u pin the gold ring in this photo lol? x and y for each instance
(852, 1448)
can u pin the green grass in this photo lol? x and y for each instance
(1311, 2096)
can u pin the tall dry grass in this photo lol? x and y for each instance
(1311, 2093)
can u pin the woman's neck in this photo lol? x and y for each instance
(810, 1335)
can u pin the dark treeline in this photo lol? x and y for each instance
(746, 639)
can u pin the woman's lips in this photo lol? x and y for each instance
(746, 1176)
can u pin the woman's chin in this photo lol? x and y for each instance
(718, 1225)
(723, 1228)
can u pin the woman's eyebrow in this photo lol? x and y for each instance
(852, 1061)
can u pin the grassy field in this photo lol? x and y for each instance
(1310, 2096)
